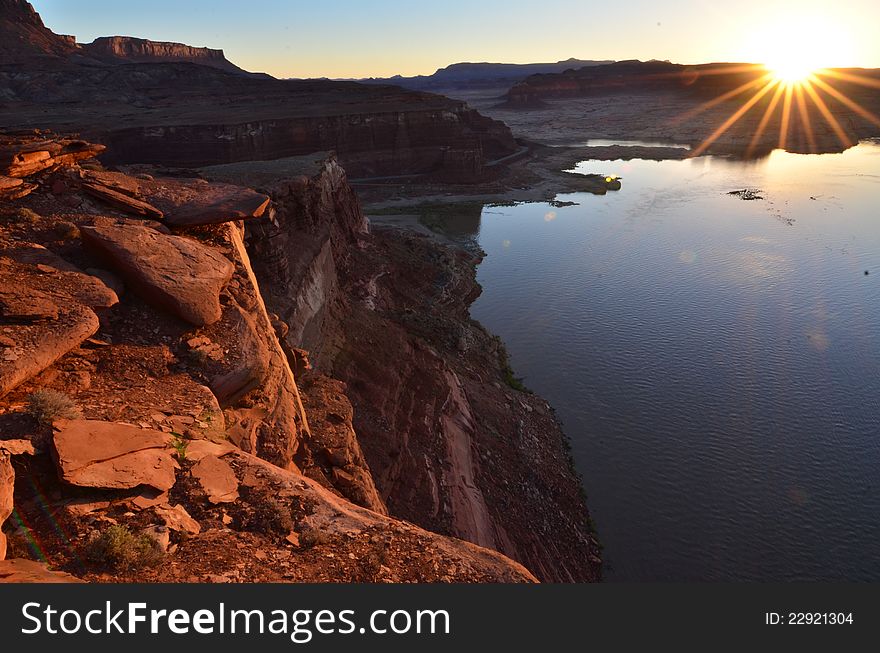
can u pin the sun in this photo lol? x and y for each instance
(791, 72)
(793, 49)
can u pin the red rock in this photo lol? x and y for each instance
(178, 519)
(175, 273)
(218, 203)
(8, 183)
(17, 192)
(217, 479)
(121, 201)
(198, 449)
(47, 273)
(40, 344)
(17, 447)
(27, 305)
(114, 456)
(22, 158)
(27, 571)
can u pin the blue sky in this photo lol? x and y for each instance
(344, 38)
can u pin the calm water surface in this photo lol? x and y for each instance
(715, 361)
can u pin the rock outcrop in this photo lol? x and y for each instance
(22, 157)
(47, 308)
(175, 273)
(216, 203)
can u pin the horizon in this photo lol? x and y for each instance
(400, 39)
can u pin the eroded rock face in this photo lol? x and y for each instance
(97, 454)
(175, 273)
(298, 257)
(332, 454)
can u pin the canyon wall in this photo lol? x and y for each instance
(154, 393)
(455, 141)
(449, 444)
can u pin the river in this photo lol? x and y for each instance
(715, 361)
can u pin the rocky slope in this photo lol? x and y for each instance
(152, 408)
(157, 387)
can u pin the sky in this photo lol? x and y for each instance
(380, 38)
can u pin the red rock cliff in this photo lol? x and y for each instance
(128, 49)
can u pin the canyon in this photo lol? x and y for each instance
(210, 357)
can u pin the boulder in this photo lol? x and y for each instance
(112, 455)
(40, 343)
(175, 273)
(218, 203)
(45, 273)
(7, 485)
(217, 479)
(28, 571)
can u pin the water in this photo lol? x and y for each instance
(715, 361)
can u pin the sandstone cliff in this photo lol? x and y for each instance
(450, 446)
(165, 406)
(128, 49)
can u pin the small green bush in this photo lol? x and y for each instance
(180, 444)
(119, 548)
(46, 406)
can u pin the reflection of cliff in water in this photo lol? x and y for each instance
(455, 221)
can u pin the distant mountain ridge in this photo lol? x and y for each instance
(483, 74)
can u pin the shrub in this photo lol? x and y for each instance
(312, 537)
(180, 445)
(20, 214)
(119, 548)
(46, 406)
